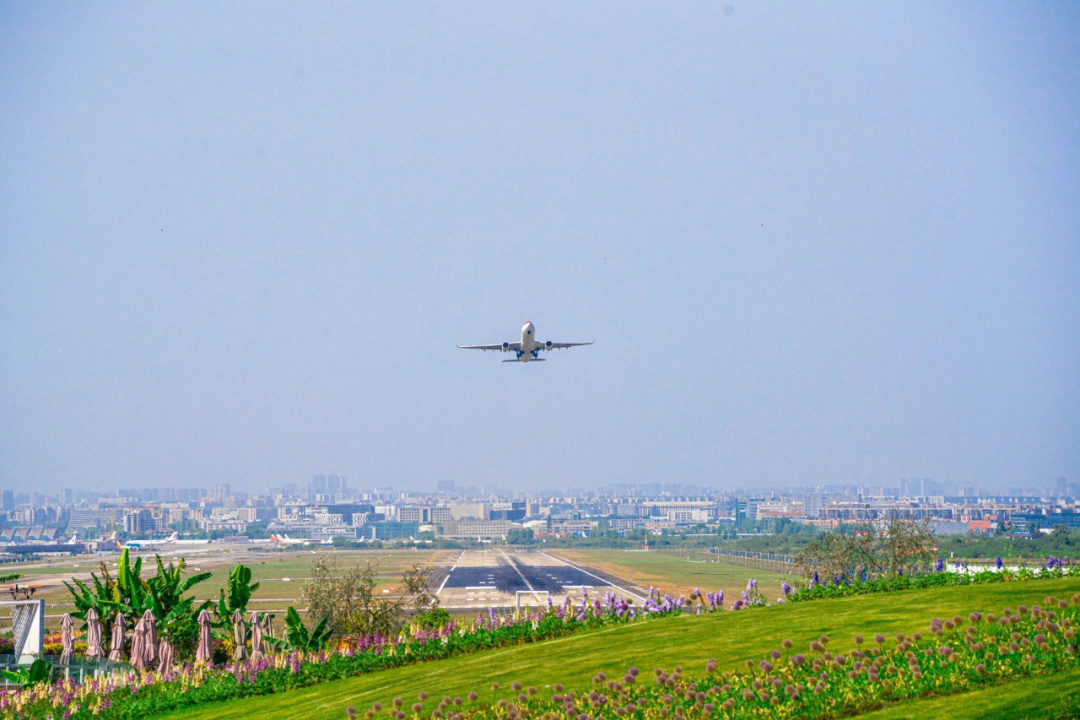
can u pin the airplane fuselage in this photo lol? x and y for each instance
(528, 339)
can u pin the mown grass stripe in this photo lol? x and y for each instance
(730, 637)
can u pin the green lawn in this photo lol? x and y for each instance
(1038, 698)
(675, 574)
(688, 640)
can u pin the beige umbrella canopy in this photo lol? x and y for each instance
(93, 635)
(165, 656)
(66, 640)
(116, 642)
(256, 635)
(138, 646)
(239, 636)
(204, 653)
(151, 637)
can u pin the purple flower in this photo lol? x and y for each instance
(1000, 564)
(785, 588)
(940, 565)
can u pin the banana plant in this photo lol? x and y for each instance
(100, 597)
(239, 591)
(38, 672)
(298, 637)
(128, 594)
(167, 588)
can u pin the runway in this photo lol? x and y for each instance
(500, 577)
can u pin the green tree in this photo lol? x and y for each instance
(349, 600)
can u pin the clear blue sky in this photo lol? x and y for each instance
(814, 242)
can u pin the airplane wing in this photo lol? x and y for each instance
(556, 346)
(497, 346)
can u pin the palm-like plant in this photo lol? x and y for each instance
(298, 637)
(166, 591)
(38, 672)
(240, 589)
(100, 597)
(131, 596)
(233, 597)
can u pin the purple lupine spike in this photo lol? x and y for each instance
(999, 564)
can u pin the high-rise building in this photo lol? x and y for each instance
(67, 496)
(335, 484)
(9, 500)
(221, 490)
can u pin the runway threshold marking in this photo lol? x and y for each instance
(437, 592)
(567, 562)
(518, 570)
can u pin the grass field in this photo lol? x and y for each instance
(674, 574)
(281, 573)
(1056, 697)
(686, 640)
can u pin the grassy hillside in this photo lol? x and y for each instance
(730, 637)
(1038, 698)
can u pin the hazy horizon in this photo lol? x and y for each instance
(814, 243)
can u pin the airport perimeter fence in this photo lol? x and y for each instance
(743, 558)
(79, 669)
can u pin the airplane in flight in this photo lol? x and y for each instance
(528, 348)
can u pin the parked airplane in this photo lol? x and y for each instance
(171, 540)
(528, 348)
(148, 544)
(286, 540)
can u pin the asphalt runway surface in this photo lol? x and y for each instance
(496, 577)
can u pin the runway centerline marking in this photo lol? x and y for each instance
(518, 570)
(591, 575)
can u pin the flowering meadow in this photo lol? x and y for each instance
(131, 694)
(954, 655)
(941, 576)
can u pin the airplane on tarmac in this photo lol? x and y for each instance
(153, 544)
(528, 348)
(150, 544)
(286, 540)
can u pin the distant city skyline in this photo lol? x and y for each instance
(814, 243)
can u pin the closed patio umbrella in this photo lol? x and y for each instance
(239, 636)
(138, 646)
(93, 634)
(204, 653)
(256, 635)
(66, 640)
(151, 637)
(165, 656)
(116, 642)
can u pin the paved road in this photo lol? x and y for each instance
(495, 577)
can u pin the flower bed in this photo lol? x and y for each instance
(838, 586)
(955, 655)
(134, 695)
